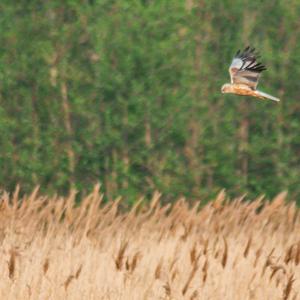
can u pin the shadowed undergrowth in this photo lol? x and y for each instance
(54, 249)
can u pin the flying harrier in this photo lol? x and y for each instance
(244, 73)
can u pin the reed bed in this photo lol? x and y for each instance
(52, 248)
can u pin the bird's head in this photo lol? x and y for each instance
(226, 88)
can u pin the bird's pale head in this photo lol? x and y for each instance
(226, 88)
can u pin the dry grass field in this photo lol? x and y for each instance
(53, 249)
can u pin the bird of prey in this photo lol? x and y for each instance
(244, 73)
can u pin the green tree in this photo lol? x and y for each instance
(127, 93)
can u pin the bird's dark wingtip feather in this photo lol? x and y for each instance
(247, 49)
(251, 55)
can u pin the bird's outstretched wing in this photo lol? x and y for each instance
(245, 69)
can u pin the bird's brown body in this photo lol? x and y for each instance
(239, 89)
(244, 90)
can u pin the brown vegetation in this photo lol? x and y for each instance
(54, 249)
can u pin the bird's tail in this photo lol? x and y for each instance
(266, 96)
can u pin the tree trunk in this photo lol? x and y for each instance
(243, 137)
(68, 127)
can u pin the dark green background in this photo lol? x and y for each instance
(127, 93)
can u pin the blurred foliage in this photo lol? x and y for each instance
(127, 93)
